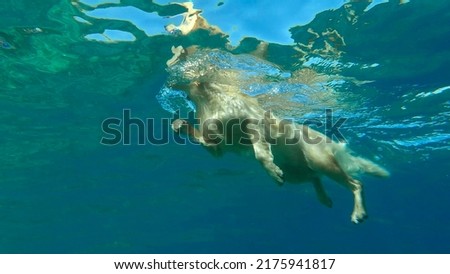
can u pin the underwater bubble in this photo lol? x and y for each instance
(5, 44)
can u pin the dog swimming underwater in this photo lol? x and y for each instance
(288, 151)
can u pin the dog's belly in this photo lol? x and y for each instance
(292, 161)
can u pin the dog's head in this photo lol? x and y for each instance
(191, 66)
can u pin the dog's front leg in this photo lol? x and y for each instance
(264, 155)
(184, 127)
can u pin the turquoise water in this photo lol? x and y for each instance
(384, 66)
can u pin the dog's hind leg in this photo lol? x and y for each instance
(264, 155)
(321, 194)
(335, 172)
(359, 211)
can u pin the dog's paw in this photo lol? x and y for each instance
(358, 216)
(326, 201)
(177, 124)
(276, 174)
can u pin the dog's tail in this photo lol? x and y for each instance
(370, 167)
(355, 165)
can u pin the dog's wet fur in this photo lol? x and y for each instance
(300, 162)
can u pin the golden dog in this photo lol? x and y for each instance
(288, 151)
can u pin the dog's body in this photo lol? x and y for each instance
(311, 155)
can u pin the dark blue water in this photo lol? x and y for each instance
(61, 191)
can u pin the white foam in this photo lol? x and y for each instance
(435, 92)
